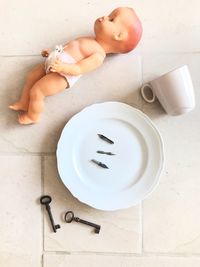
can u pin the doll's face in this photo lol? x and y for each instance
(115, 26)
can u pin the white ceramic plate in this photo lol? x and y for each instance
(133, 171)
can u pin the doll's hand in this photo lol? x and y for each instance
(57, 66)
(45, 52)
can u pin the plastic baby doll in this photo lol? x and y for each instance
(119, 32)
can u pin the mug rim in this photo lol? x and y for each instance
(169, 72)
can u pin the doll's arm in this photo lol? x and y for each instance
(85, 65)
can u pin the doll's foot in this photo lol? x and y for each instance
(25, 119)
(18, 106)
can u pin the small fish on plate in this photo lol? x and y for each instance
(106, 139)
(100, 164)
(106, 153)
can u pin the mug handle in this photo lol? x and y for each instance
(147, 85)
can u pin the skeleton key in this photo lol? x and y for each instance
(46, 200)
(69, 217)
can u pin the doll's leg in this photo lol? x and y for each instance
(50, 84)
(32, 77)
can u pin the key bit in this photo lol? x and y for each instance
(69, 217)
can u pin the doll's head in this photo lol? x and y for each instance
(120, 31)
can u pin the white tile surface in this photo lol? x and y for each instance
(20, 223)
(32, 26)
(164, 231)
(120, 230)
(171, 218)
(91, 88)
(170, 26)
(118, 261)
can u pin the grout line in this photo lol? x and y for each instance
(140, 52)
(42, 260)
(34, 55)
(136, 255)
(142, 227)
(142, 69)
(169, 52)
(42, 193)
(21, 153)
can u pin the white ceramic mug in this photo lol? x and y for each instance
(174, 91)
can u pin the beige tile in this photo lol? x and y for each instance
(159, 63)
(171, 26)
(171, 215)
(27, 33)
(118, 261)
(155, 65)
(99, 86)
(120, 230)
(20, 223)
(117, 80)
(15, 137)
(167, 27)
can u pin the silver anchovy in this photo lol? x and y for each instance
(102, 165)
(104, 152)
(103, 137)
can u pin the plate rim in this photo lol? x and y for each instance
(158, 172)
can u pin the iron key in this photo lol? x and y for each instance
(69, 217)
(46, 200)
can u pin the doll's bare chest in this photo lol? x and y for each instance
(82, 48)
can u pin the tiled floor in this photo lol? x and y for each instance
(164, 230)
